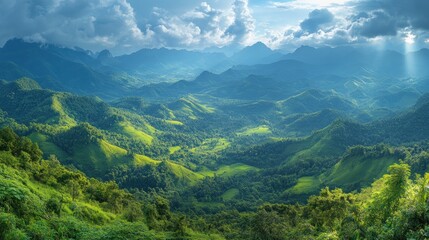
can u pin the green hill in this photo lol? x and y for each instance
(305, 124)
(184, 108)
(324, 145)
(41, 199)
(407, 127)
(361, 166)
(314, 101)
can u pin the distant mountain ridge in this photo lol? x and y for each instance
(371, 78)
(60, 69)
(256, 54)
(87, 73)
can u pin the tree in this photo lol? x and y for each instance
(74, 188)
(268, 225)
(329, 208)
(386, 197)
(396, 185)
(54, 205)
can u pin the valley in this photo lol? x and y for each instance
(262, 144)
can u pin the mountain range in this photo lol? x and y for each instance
(178, 136)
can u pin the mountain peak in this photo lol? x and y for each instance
(305, 49)
(105, 54)
(18, 43)
(205, 75)
(259, 45)
(257, 53)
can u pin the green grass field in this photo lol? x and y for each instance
(230, 194)
(141, 160)
(100, 156)
(132, 132)
(310, 149)
(212, 145)
(229, 170)
(359, 170)
(64, 119)
(260, 130)
(306, 185)
(174, 122)
(185, 174)
(174, 149)
(47, 147)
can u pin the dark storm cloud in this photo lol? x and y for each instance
(377, 23)
(316, 19)
(363, 20)
(387, 17)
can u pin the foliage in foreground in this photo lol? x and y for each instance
(41, 199)
(394, 207)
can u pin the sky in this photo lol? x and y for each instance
(125, 26)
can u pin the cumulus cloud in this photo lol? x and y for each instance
(316, 19)
(308, 4)
(376, 23)
(244, 22)
(388, 17)
(319, 29)
(113, 24)
(124, 26)
(201, 26)
(391, 22)
(94, 24)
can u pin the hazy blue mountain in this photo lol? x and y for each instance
(256, 54)
(240, 82)
(10, 70)
(105, 56)
(155, 65)
(397, 100)
(314, 101)
(373, 79)
(57, 68)
(350, 60)
(417, 63)
(409, 126)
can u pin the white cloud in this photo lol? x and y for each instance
(128, 25)
(93, 25)
(204, 26)
(243, 25)
(309, 4)
(112, 24)
(409, 38)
